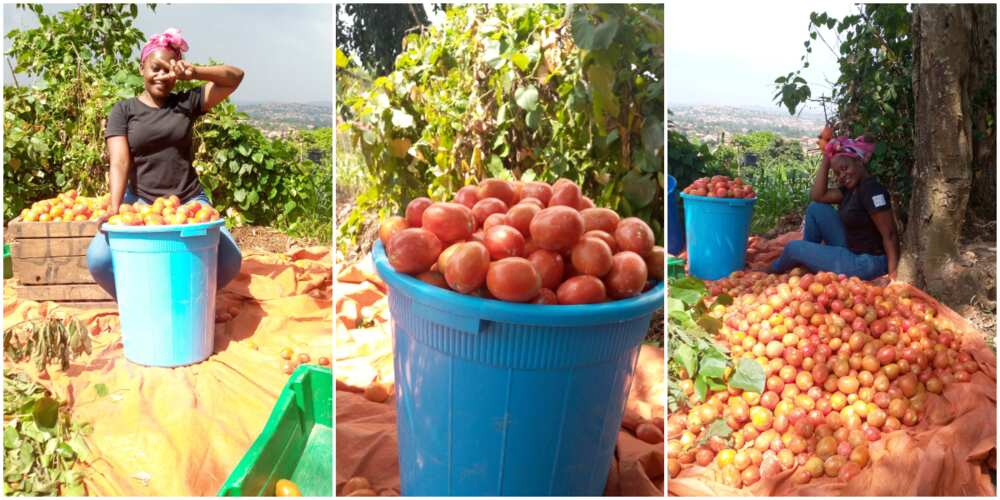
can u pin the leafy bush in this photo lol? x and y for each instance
(516, 91)
(54, 129)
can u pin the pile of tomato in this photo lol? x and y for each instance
(163, 212)
(70, 207)
(67, 207)
(721, 186)
(292, 361)
(844, 360)
(524, 242)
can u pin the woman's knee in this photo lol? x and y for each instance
(99, 255)
(230, 259)
(816, 208)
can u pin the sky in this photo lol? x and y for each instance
(729, 53)
(285, 50)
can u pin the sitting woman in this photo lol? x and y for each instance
(149, 140)
(858, 238)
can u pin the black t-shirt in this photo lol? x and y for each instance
(160, 141)
(855, 212)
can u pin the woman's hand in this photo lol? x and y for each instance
(182, 70)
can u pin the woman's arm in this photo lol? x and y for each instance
(886, 225)
(222, 80)
(121, 160)
(819, 192)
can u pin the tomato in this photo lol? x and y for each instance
(591, 256)
(391, 226)
(467, 267)
(467, 196)
(450, 222)
(513, 279)
(627, 275)
(304, 358)
(634, 235)
(415, 211)
(287, 353)
(538, 190)
(499, 189)
(556, 228)
(582, 289)
(413, 250)
(286, 488)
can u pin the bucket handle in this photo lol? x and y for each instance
(466, 324)
(193, 231)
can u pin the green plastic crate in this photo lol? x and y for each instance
(675, 268)
(296, 443)
(8, 270)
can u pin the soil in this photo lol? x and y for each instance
(266, 239)
(366, 239)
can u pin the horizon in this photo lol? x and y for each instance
(735, 58)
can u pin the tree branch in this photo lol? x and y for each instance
(12, 75)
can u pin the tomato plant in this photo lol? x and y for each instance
(515, 92)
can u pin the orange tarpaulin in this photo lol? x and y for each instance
(181, 431)
(948, 452)
(366, 430)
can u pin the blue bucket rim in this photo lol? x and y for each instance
(728, 201)
(508, 312)
(112, 228)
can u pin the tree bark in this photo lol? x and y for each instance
(983, 199)
(942, 177)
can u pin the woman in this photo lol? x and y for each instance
(858, 238)
(149, 140)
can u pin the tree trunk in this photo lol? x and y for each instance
(942, 172)
(983, 199)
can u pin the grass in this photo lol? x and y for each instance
(782, 188)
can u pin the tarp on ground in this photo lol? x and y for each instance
(366, 430)
(181, 431)
(949, 452)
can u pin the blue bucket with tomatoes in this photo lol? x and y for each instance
(165, 279)
(498, 398)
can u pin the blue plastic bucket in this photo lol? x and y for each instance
(165, 279)
(495, 398)
(675, 238)
(717, 231)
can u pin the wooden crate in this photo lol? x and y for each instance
(50, 263)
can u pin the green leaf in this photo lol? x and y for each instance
(258, 157)
(11, 438)
(240, 195)
(527, 98)
(652, 135)
(101, 389)
(243, 150)
(686, 357)
(401, 119)
(718, 428)
(533, 119)
(638, 189)
(749, 376)
(712, 365)
(590, 37)
(701, 387)
(46, 412)
(724, 299)
(521, 61)
(710, 324)
(341, 58)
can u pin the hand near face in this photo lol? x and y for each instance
(182, 69)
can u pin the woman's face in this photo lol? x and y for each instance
(849, 171)
(156, 74)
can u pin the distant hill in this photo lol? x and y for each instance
(708, 122)
(280, 116)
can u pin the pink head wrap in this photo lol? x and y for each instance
(854, 148)
(170, 39)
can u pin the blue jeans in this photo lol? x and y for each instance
(99, 252)
(823, 247)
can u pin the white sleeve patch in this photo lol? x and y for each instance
(878, 200)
